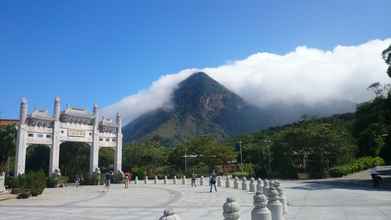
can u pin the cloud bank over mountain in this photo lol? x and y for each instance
(304, 76)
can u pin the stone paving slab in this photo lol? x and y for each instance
(307, 200)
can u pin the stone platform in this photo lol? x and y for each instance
(307, 200)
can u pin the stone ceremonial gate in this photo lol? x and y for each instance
(70, 125)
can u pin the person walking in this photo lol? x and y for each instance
(107, 180)
(77, 181)
(212, 182)
(193, 180)
(126, 180)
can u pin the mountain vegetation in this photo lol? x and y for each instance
(202, 106)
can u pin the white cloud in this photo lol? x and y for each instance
(306, 75)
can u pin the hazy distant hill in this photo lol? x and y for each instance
(202, 106)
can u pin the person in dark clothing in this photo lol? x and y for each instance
(193, 180)
(212, 182)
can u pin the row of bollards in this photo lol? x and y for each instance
(269, 200)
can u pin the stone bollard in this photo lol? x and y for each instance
(227, 182)
(266, 187)
(252, 185)
(136, 180)
(244, 183)
(219, 184)
(174, 180)
(201, 180)
(169, 214)
(165, 180)
(236, 183)
(259, 185)
(146, 180)
(260, 211)
(2, 182)
(282, 197)
(183, 180)
(156, 180)
(275, 206)
(231, 209)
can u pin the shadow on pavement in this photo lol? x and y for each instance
(353, 184)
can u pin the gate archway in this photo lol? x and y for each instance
(70, 125)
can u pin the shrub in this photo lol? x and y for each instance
(9, 182)
(52, 182)
(240, 174)
(138, 171)
(355, 166)
(24, 195)
(38, 182)
(29, 184)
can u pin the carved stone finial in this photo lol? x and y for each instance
(231, 209)
(23, 100)
(260, 200)
(275, 205)
(169, 214)
(260, 210)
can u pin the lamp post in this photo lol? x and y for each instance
(241, 154)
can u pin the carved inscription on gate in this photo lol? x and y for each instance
(76, 133)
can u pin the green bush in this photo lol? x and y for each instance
(240, 174)
(38, 182)
(355, 166)
(138, 171)
(33, 183)
(52, 182)
(9, 182)
(24, 195)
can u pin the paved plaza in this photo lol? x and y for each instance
(307, 200)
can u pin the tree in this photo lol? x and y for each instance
(387, 58)
(7, 145)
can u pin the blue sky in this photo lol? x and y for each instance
(101, 51)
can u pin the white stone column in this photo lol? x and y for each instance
(281, 197)
(259, 185)
(21, 142)
(118, 149)
(146, 179)
(54, 166)
(227, 182)
(275, 206)
(244, 183)
(156, 180)
(94, 146)
(174, 180)
(201, 180)
(219, 184)
(183, 180)
(136, 180)
(94, 157)
(231, 209)
(165, 180)
(252, 185)
(260, 211)
(236, 183)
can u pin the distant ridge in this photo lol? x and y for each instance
(202, 106)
